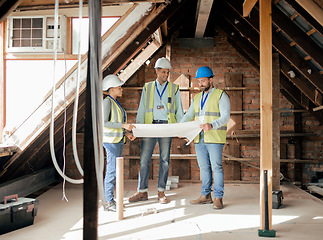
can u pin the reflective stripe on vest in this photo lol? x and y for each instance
(212, 112)
(114, 135)
(149, 102)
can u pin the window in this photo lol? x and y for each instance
(29, 34)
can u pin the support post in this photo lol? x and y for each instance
(119, 186)
(90, 188)
(266, 118)
(276, 123)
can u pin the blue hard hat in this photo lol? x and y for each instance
(204, 72)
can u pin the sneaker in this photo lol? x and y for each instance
(138, 196)
(202, 200)
(110, 206)
(161, 197)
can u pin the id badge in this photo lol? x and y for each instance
(202, 118)
(160, 107)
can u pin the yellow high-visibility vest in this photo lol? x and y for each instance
(114, 135)
(212, 112)
(149, 102)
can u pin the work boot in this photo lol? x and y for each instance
(161, 197)
(110, 206)
(217, 204)
(202, 200)
(138, 196)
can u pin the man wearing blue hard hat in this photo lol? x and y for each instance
(212, 108)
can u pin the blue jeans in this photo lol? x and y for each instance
(147, 148)
(113, 150)
(209, 158)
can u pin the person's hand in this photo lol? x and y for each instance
(128, 126)
(206, 126)
(130, 136)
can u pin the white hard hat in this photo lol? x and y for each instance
(163, 63)
(111, 81)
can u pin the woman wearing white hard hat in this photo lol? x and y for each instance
(115, 124)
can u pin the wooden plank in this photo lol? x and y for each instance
(292, 93)
(7, 7)
(248, 6)
(315, 189)
(306, 15)
(276, 122)
(315, 11)
(204, 9)
(243, 26)
(317, 108)
(139, 60)
(118, 45)
(297, 35)
(266, 88)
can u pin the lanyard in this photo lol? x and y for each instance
(160, 95)
(203, 102)
(124, 112)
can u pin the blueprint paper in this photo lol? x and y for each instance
(187, 130)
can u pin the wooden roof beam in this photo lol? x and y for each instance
(305, 15)
(251, 53)
(203, 12)
(314, 10)
(248, 6)
(252, 33)
(297, 35)
(7, 7)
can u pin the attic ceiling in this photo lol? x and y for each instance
(297, 38)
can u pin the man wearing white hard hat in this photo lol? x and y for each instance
(212, 108)
(160, 104)
(115, 124)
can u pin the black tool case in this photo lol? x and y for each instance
(17, 213)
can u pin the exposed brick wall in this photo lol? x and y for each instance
(223, 58)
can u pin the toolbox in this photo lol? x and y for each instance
(17, 213)
(277, 199)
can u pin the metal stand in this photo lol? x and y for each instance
(266, 232)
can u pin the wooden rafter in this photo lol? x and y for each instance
(243, 26)
(251, 52)
(314, 10)
(139, 60)
(298, 36)
(304, 14)
(248, 6)
(6, 7)
(203, 13)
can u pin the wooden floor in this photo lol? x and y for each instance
(300, 217)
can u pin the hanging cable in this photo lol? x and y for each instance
(51, 140)
(64, 130)
(74, 125)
